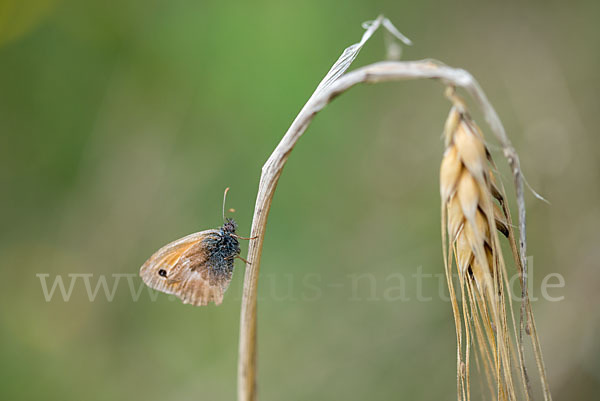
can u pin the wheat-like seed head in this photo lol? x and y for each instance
(466, 186)
(472, 219)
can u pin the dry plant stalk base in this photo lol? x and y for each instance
(472, 225)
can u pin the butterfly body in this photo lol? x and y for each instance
(222, 248)
(196, 268)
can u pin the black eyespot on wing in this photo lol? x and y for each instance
(162, 273)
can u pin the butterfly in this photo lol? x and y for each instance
(196, 268)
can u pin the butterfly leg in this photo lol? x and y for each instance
(238, 257)
(246, 238)
(243, 260)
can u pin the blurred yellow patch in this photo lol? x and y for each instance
(18, 17)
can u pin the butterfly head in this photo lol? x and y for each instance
(229, 226)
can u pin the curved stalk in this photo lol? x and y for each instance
(271, 171)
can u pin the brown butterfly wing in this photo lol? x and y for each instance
(187, 270)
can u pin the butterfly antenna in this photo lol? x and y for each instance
(224, 199)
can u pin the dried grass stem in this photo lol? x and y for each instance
(271, 171)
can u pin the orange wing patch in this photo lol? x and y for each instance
(181, 268)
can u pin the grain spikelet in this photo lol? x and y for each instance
(473, 213)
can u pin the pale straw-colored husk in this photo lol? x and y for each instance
(474, 212)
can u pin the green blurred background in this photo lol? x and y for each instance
(122, 122)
